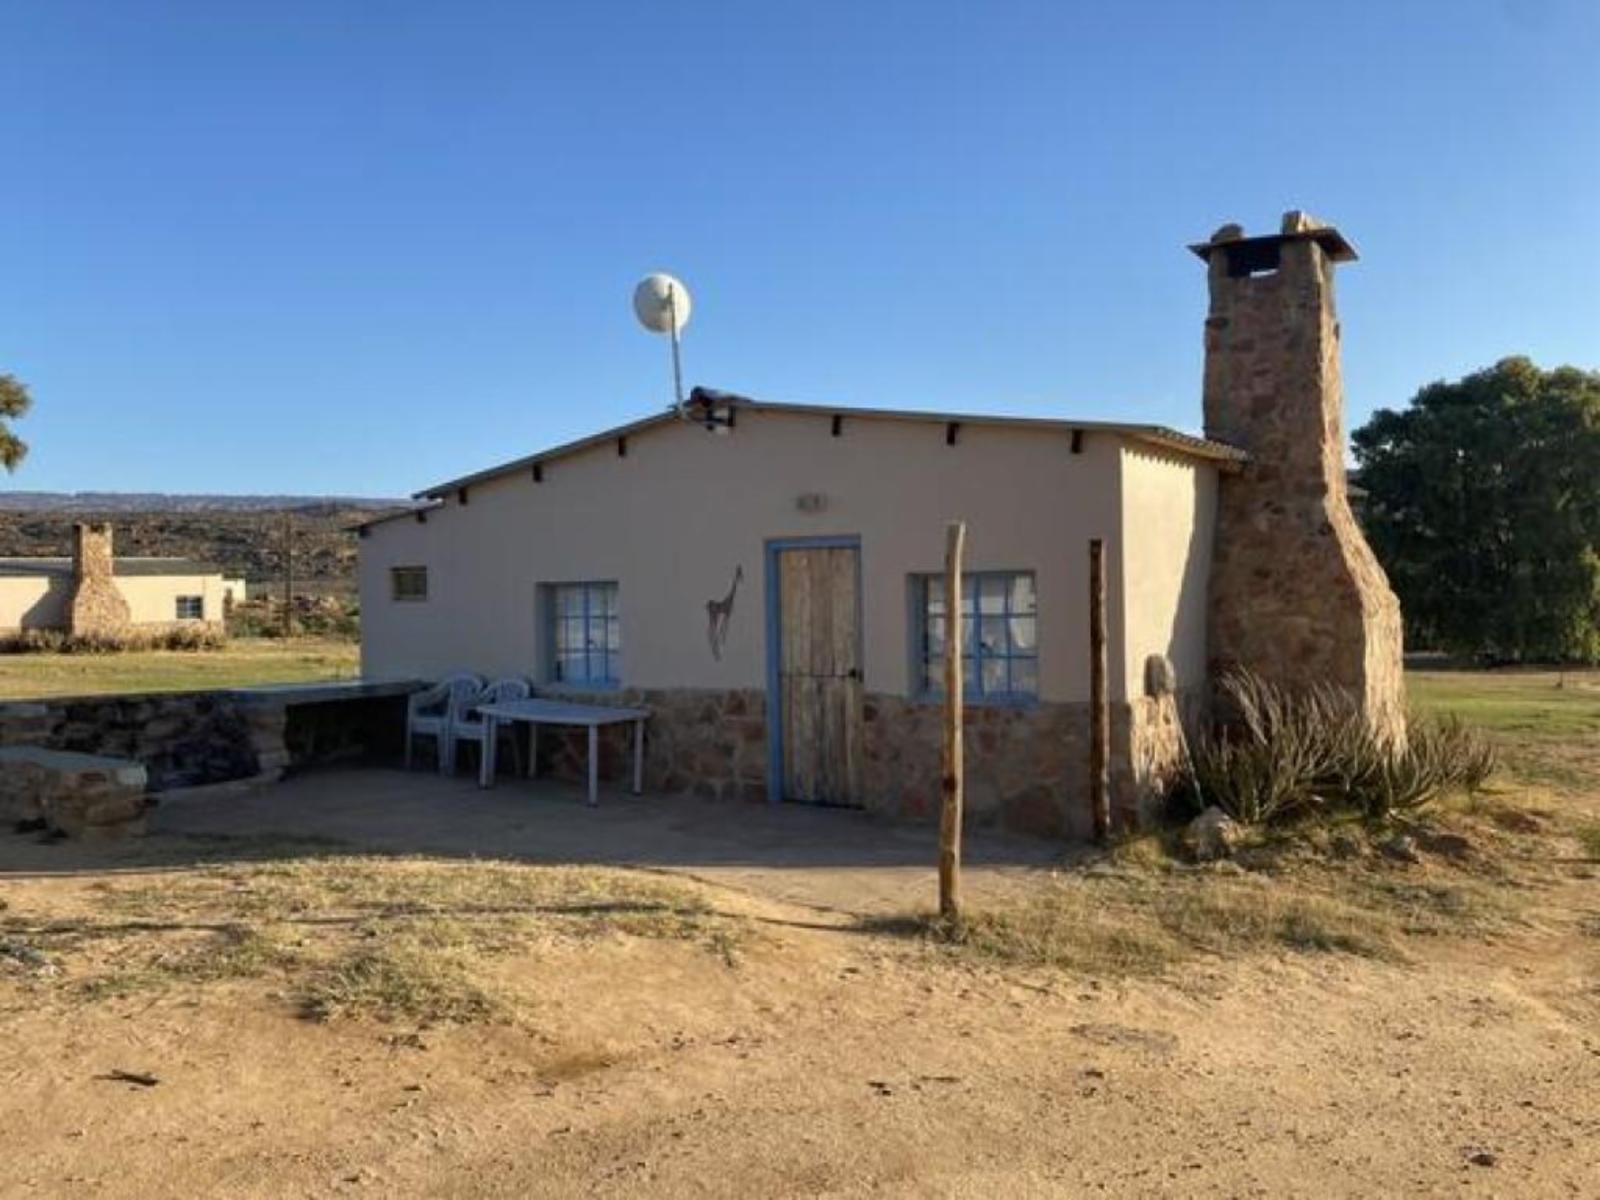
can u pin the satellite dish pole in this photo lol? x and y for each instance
(662, 305)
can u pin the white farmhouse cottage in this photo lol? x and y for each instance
(764, 576)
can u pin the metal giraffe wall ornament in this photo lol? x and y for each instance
(719, 613)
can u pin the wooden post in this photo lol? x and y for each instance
(1099, 696)
(952, 780)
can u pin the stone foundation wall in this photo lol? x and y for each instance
(1027, 766)
(1153, 733)
(706, 742)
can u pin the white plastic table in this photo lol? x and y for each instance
(537, 712)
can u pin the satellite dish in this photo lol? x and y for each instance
(662, 305)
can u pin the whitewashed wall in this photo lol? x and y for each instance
(1169, 508)
(672, 519)
(40, 602)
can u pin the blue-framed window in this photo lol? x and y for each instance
(585, 634)
(1000, 647)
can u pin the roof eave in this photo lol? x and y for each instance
(1226, 456)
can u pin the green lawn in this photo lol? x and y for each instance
(1542, 703)
(242, 661)
(1547, 723)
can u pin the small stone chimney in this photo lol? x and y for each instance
(97, 607)
(1296, 594)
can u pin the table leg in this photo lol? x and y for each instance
(533, 749)
(594, 764)
(638, 757)
(491, 742)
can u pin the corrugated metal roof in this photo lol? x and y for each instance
(702, 399)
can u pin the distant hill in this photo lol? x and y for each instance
(161, 502)
(244, 535)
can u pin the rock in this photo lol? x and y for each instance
(1482, 1158)
(1446, 845)
(1344, 845)
(1401, 848)
(1212, 835)
(1516, 821)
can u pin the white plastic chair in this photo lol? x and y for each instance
(472, 726)
(431, 714)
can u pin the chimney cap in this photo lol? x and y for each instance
(1265, 247)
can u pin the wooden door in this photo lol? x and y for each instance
(819, 674)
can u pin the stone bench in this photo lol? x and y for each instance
(79, 795)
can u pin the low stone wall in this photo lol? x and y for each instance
(182, 738)
(189, 739)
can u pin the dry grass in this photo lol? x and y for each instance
(1143, 919)
(1588, 836)
(1324, 885)
(339, 936)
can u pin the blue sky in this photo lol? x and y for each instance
(364, 247)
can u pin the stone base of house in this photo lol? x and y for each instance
(698, 741)
(1027, 766)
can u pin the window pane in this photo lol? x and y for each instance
(992, 592)
(994, 677)
(1025, 676)
(1023, 597)
(992, 635)
(933, 638)
(969, 593)
(1024, 634)
(933, 594)
(585, 632)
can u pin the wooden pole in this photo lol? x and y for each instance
(953, 777)
(1099, 696)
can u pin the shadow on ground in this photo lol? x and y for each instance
(848, 861)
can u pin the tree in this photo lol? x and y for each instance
(14, 402)
(1483, 503)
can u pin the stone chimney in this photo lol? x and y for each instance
(1296, 594)
(97, 607)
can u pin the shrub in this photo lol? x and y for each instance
(199, 636)
(331, 617)
(1279, 755)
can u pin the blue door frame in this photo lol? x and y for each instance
(774, 616)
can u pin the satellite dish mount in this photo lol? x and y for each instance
(662, 305)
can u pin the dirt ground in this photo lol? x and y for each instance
(777, 1038)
